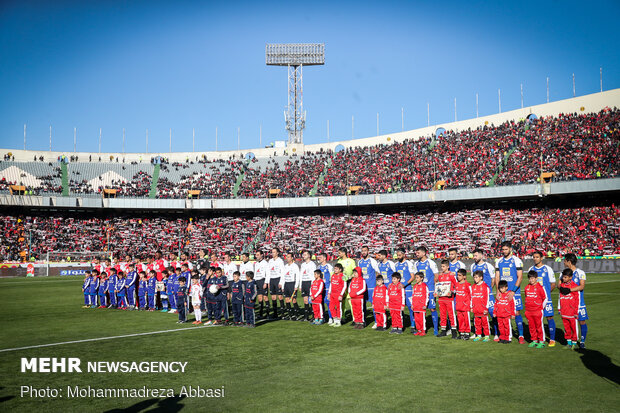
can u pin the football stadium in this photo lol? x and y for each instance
(471, 262)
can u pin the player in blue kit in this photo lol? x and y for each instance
(546, 278)
(405, 268)
(249, 298)
(430, 270)
(121, 301)
(488, 276)
(327, 270)
(210, 297)
(386, 267)
(151, 283)
(579, 278)
(92, 290)
(103, 289)
(130, 285)
(370, 269)
(112, 279)
(236, 297)
(142, 290)
(171, 289)
(86, 289)
(453, 260)
(509, 268)
(221, 303)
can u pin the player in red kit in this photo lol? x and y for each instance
(396, 303)
(445, 285)
(535, 301)
(480, 304)
(317, 289)
(504, 311)
(569, 308)
(379, 303)
(337, 288)
(420, 295)
(357, 290)
(463, 303)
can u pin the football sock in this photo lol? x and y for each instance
(494, 322)
(551, 324)
(198, 315)
(584, 332)
(275, 307)
(435, 318)
(296, 306)
(282, 303)
(519, 321)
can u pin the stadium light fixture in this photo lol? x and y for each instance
(295, 56)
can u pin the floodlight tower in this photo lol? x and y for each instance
(295, 56)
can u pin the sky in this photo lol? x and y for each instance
(199, 66)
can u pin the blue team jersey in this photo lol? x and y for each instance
(86, 284)
(142, 287)
(579, 275)
(103, 287)
(94, 284)
(429, 268)
(368, 271)
(488, 272)
(171, 285)
(545, 278)
(405, 268)
(508, 268)
(150, 285)
(386, 269)
(112, 283)
(222, 282)
(327, 273)
(237, 292)
(456, 266)
(130, 280)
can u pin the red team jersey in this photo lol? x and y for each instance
(446, 279)
(357, 287)
(535, 297)
(379, 298)
(504, 306)
(317, 289)
(337, 286)
(159, 266)
(463, 296)
(569, 304)
(419, 297)
(480, 302)
(396, 294)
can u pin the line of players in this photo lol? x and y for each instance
(280, 280)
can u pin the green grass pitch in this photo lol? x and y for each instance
(294, 366)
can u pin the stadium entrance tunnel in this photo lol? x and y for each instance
(439, 132)
(249, 156)
(339, 148)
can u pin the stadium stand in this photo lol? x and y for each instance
(556, 230)
(566, 147)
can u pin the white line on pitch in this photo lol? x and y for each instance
(98, 339)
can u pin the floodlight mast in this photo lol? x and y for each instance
(295, 56)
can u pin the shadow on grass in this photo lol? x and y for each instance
(169, 404)
(601, 365)
(5, 398)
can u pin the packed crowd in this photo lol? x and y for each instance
(569, 146)
(119, 235)
(591, 230)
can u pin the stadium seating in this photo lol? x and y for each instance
(567, 147)
(596, 229)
